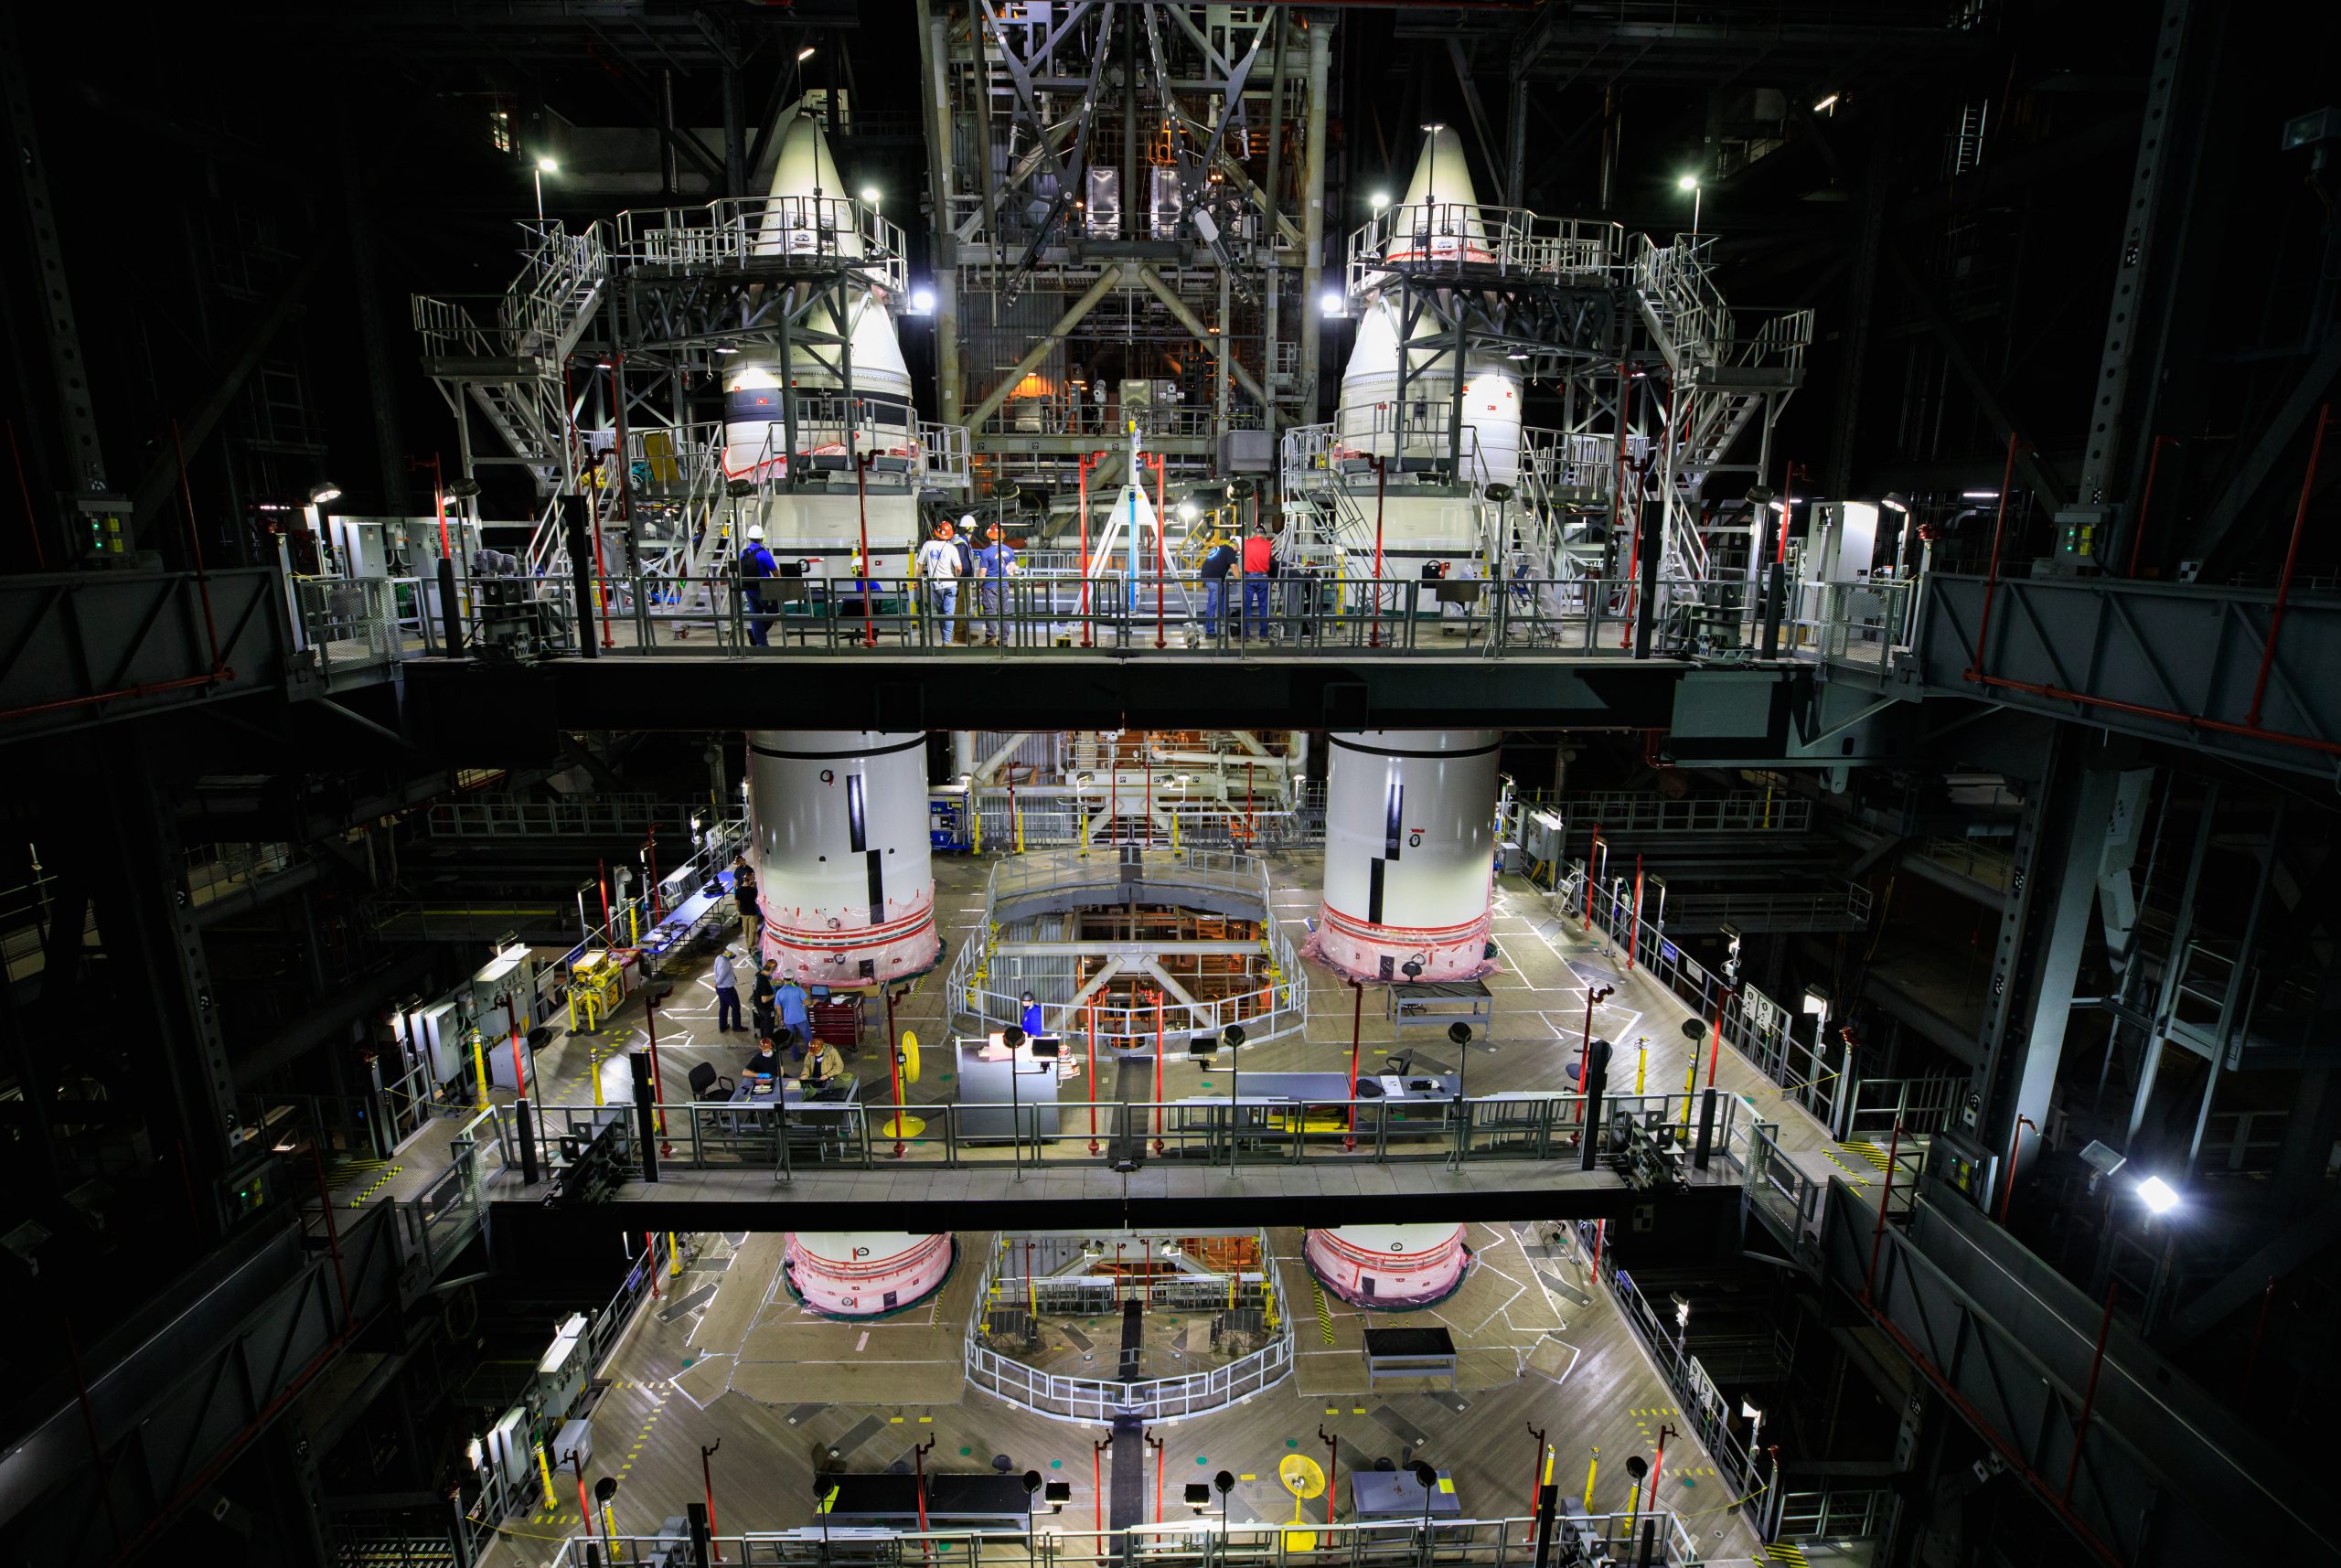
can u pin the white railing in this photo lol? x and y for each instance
(1274, 1000)
(1067, 1398)
(1493, 241)
(560, 282)
(736, 231)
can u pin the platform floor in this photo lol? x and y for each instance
(1540, 1351)
(1546, 963)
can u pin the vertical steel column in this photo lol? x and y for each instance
(2223, 1033)
(1313, 215)
(1273, 290)
(2182, 931)
(2060, 845)
(934, 63)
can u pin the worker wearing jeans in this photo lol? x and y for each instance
(938, 562)
(727, 993)
(1259, 561)
(995, 564)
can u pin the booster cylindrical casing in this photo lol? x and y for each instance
(864, 1273)
(837, 818)
(1409, 854)
(1388, 1266)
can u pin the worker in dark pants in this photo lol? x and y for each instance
(755, 570)
(727, 993)
(796, 1016)
(744, 893)
(763, 1017)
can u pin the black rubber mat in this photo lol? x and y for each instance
(1399, 1426)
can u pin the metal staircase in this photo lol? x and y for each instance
(512, 370)
(1722, 383)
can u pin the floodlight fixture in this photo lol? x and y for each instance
(2159, 1197)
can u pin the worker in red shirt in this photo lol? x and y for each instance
(1259, 565)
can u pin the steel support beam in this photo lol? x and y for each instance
(1072, 317)
(160, 483)
(1312, 214)
(2052, 892)
(1203, 334)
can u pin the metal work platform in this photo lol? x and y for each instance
(2194, 664)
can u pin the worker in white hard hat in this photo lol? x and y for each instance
(755, 567)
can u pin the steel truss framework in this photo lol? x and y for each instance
(1116, 187)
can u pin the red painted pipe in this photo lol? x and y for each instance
(1991, 576)
(2224, 726)
(2292, 556)
(2138, 529)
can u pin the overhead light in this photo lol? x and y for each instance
(725, 346)
(1686, 182)
(1434, 128)
(869, 194)
(804, 54)
(1895, 502)
(1187, 510)
(1169, 1247)
(1825, 106)
(2157, 1195)
(1979, 495)
(546, 165)
(1816, 1001)
(1379, 198)
(1515, 353)
(1330, 304)
(324, 490)
(462, 489)
(922, 301)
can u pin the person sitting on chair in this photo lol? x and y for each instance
(823, 1067)
(766, 1061)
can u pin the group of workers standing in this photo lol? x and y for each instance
(956, 558)
(987, 558)
(780, 1010)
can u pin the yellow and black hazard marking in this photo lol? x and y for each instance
(1324, 1312)
(1870, 1152)
(380, 1181)
(1858, 1177)
(1786, 1552)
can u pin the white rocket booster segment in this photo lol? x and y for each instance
(1438, 221)
(1440, 215)
(864, 1273)
(810, 213)
(1409, 854)
(1391, 1267)
(837, 818)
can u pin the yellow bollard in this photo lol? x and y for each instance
(479, 1067)
(1642, 1062)
(544, 1474)
(674, 1256)
(1589, 1470)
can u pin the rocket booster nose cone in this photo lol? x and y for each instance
(1441, 175)
(804, 168)
(810, 210)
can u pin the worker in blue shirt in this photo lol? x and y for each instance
(995, 564)
(1218, 561)
(790, 1001)
(755, 567)
(1031, 1021)
(727, 992)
